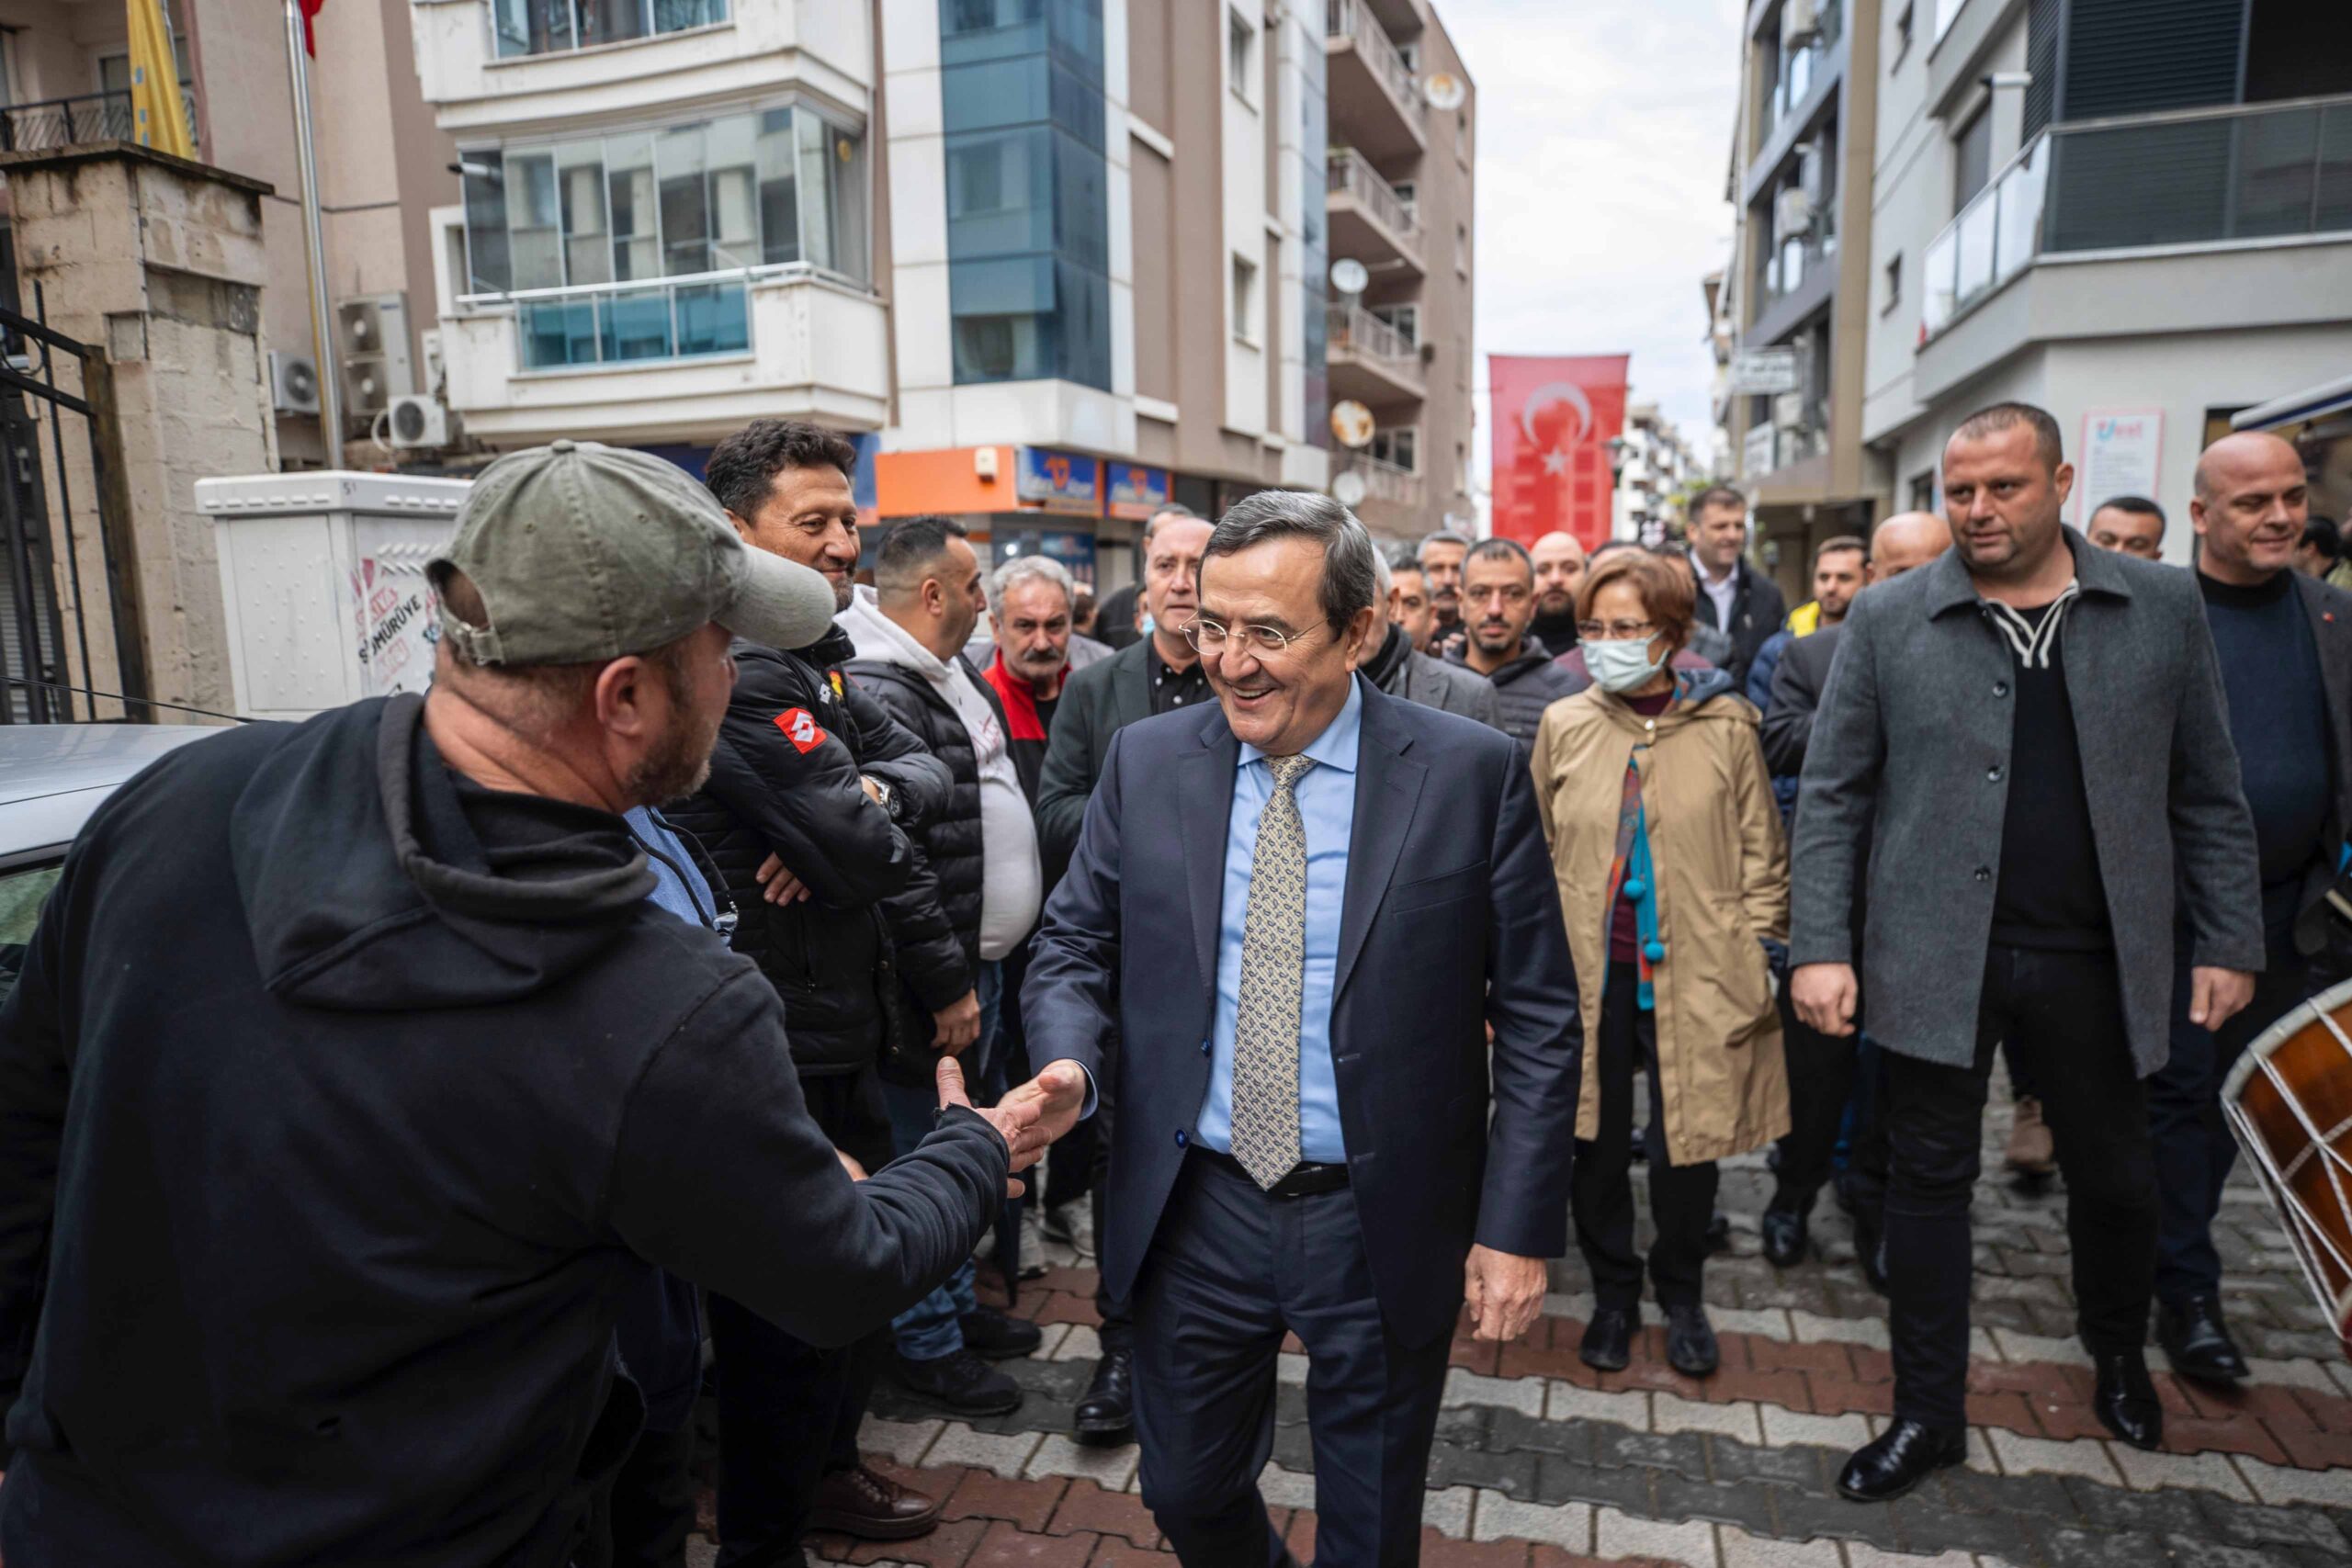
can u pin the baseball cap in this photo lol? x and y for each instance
(584, 552)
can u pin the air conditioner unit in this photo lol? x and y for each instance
(1800, 23)
(1792, 213)
(373, 358)
(421, 422)
(293, 383)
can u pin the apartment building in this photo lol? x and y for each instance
(65, 76)
(2137, 216)
(1798, 296)
(1054, 263)
(1654, 466)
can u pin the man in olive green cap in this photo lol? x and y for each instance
(352, 1082)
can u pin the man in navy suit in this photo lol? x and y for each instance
(1299, 914)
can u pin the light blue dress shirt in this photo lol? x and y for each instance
(1326, 808)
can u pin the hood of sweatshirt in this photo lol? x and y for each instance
(879, 637)
(372, 877)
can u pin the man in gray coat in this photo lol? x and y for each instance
(2030, 734)
(1399, 669)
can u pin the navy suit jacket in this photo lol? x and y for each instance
(1450, 919)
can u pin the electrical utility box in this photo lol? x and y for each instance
(323, 574)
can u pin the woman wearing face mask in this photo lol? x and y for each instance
(1673, 876)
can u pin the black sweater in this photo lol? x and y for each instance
(2278, 721)
(341, 1104)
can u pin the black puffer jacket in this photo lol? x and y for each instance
(1524, 686)
(784, 777)
(950, 839)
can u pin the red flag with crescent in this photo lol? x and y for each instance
(1554, 418)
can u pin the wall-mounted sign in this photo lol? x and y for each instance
(1764, 370)
(2122, 456)
(1138, 493)
(1073, 549)
(1059, 481)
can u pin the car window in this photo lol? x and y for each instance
(22, 893)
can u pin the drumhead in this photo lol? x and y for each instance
(2290, 1024)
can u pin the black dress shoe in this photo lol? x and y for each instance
(1609, 1338)
(2198, 1342)
(1691, 1346)
(1106, 1414)
(1784, 1237)
(1899, 1459)
(990, 1334)
(2125, 1400)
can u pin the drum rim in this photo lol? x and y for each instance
(2265, 1043)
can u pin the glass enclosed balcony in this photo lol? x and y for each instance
(520, 28)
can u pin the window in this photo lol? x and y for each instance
(547, 26)
(1407, 197)
(770, 187)
(1972, 157)
(1462, 249)
(22, 893)
(1405, 319)
(1398, 446)
(1241, 49)
(1923, 491)
(1893, 283)
(1245, 299)
(1410, 53)
(1902, 37)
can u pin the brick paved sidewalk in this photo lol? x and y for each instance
(1539, 1462)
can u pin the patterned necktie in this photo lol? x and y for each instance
(1273, 960)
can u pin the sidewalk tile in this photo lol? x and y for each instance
(2029, 1456)
(1741, 1550)
(1785, 1427)
(1522, 1395)
(1496, 1517)
(1671, 1414)
(1620, 1534)
(1110, 1468)
(2210, 1472)
(1006, 1453)
(1566, 1402)
(902, 1440)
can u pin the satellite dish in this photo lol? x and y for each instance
(1351, 422)
(1444, 90)
(1349, 490)
(1348, 276)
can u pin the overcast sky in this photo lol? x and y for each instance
(1604, 134)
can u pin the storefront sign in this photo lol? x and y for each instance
(1764, 371)
(1138, 492)
(1074, 551)
(1059, 481)
(2123, 454)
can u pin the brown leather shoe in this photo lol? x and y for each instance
(871, 1507)
(2032, 1151)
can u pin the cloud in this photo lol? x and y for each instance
(1604, 138)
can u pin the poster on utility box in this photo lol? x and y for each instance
(399, 622)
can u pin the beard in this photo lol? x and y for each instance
(680, 763)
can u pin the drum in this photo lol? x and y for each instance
(2290, 1102)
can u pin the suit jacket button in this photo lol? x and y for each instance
(1204, 1047)
(2000, 688)
(1984, 873)
(1181, 1138)
(1993, 775)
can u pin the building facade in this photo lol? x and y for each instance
(1799, 285)
(2138, 217)
(1054, 263)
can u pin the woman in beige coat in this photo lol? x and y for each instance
(1672, 875)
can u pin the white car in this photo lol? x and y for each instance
(51, 777)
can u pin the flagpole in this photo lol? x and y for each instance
(321, 309)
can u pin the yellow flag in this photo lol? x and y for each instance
(157, 116)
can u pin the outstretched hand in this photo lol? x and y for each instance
(1029, 1118)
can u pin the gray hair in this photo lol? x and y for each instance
(1441, 536)
(1382, 579)
(1020, 568)
(1349, 575)
(1173, 509)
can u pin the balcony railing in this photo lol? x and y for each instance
(521, 28)
(2201, 177)
(1351, 327)
(92, 117)
(1350, 175)
(1386, 481)
(1351, 19)
(588, 325)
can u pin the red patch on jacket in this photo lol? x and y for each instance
(799, 727)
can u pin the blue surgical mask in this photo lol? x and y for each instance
(1618, 667)
(1150, 625)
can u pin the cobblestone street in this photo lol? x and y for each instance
(1539, 1462)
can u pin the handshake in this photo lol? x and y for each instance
(1028, 1119)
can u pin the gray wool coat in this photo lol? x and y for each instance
(1910, 754)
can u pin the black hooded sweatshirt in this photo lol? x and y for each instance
(343, 1103)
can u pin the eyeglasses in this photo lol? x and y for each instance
(1207, 636)
(1614, 631)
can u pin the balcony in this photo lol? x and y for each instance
(1369, 220)
(2244, 176)
(1384, 481)
(681, 359)
(1375, 104)
(93, 117)
(555, 27)
(1370, 360)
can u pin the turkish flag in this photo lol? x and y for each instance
(1554, 418)
(311, 10)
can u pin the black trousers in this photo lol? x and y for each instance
(640, 1518)
(2063, 1012)
(1600, 1189)
(1118, 1330)
(2194, 1147)
(1230, 1270)
(1826, 1077)
(788, 1412)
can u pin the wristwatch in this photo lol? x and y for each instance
(884, 795)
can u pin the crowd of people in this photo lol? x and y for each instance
(521, 1061)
